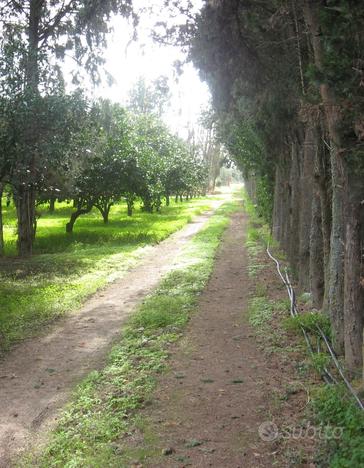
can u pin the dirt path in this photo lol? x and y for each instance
(37, 376)
(207, 410)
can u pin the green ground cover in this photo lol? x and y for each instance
(66, 269)
(93, 427)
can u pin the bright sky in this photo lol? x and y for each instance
(126, 61)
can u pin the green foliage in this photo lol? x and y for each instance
(264, 197)
(58, 114)
(320, 361)
(253, 88)
(103, 409)
(77, 29)
(243, 143)
(167, 165)
(132, 156)
(333, 407)
(36, 38)
(309, 321)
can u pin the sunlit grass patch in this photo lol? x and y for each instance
(90, 229)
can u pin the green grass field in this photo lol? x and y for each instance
(66, 269)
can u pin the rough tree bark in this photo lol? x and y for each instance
(281, 205)
(276, 225)
(320, 230)
(317, 281)
(353, 287)
(322, 178)
(305, 209)
(333, 120)
(294, 182)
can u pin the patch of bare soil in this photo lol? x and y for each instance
(223, 385)
(37, 376)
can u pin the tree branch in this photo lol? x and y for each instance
(56, 20)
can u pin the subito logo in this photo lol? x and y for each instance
(268, 431)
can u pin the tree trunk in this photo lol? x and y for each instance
(277, 206)
(105, 211)
(320, 231)
(105, 215)
(167, 199)
(317, 282)
(353, 285)
(286, 194)
(26, 190)
(25, 207)
(333, 120)
(147, 205)
(52, 203)
(322, 176)
(294, 181)
(305, 209)
(75, 215)
(336, 268)
(130, 205)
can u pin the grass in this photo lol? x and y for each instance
(257, 238)
(309, 322)
(260, 311)
(331, 407)
(94, 428)
(66, 269)
(334, 408)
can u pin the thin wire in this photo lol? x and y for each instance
(294, 313)
(347, 383)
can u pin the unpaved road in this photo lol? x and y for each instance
(37, 376)
(207, 411)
